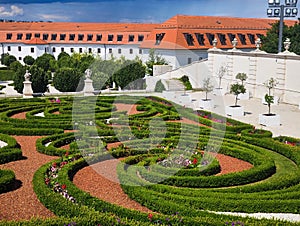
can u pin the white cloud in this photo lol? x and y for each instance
(53, 17)
(14, 11)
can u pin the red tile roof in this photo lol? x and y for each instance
(36, 41)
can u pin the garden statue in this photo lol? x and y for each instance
(27, 76)
(88, 73)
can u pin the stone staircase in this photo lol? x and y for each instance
(175, 85)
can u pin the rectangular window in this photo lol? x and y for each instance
(99, 37)
(19, 48)
(8, 48)
(62, 37)
(109, 50)
(80, 50)
(62, 49)
(37, 35)
(45, 36)
(242, 39)
(72, 50)
(140, 51)
(71, 37)
(200, 39)
(89, 37)
(9, 36)
(231, 36)
(28, 36)
(32, 50)
(159, 38)
(20, 58)
(141, 38)
(189, 39)
(130, 38)
(110, 38)
(80, 37)
(119, 38)
(222, 38)
(90, 50)
(53, 50)
(189, 60)
(210, 37)
(19, 36)
(130, 51)
(53, 37)
(251, 38)
(99, 50)
(119, 51)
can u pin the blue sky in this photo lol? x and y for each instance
(149, 11)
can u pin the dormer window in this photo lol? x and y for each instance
(110, 38)
(222, 38)
(45, 36)
(8, 36)
(189, 39)
(200, 39)
(28, 36)
(53, 37)
(130, 38)
(89, 37)
(62, 37)
(119, 38)
(37, 35)
(80, 37)
(242, 39)
(141, 38)
(231, 36)
(159, 38)
(99, 37)
(251, 38)
(19, 36)
(210, 37)
(71, 37)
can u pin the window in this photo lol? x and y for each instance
(259, 36)
(89, 37)
(8, 48)
(98, 50)
(140, 51)
(242, 39)
(222, 38)
(45, 36)
(80, 50)
(200, 39)
(119, 51)
(71, 37)
(32, 50)
(210, 37)
(159, 38)
(110, 38)
(251, 38)
(141, 38)
(189, 60)
(19, 36)
(119, 38)
(231, 36)
(20, 58)
(9, 36)
(130, 51)
(109, 50)
(37, 35)
(189, 39)
(130, 38)
(53, 49)
(90, 50)
(46, 49)
(62, 49)
(80, 37)
(28, 36)
(19, 48)
(99, 37)
(62, 37)
(72, 50)
(53, 36)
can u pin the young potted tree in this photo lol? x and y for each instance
(219, 91)
(271, 84)
(207, 103)
(243, 77)
(269, 119)
(236, 110)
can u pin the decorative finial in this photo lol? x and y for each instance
(234, 43)
(215, 41)
(258, 43)
(287, 44)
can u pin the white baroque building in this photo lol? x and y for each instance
(181, 40)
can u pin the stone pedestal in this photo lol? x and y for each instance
(88, 89)
(219, 92)
(206, 104)
(234, 111)
(27, 90)
(269, 120)
(244, 96)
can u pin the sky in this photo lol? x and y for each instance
(132, 11)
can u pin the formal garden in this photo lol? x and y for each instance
(167, 165)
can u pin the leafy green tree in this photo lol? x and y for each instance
(68, 80)
(237, 89)
(39, 79)
(242, 77)
(15, 66)
(130, 75)
(29, 60)
(44, 61)
(62, 54)
(269, 100)
(8, 59)
(154, 59)
(19, 79)
(294, 36)
(159, 87)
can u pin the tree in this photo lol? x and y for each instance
(29, 60)
(207, 86)
(68, 80)
(270, 84)
(154, 59)
(15, 66)
(269, 100)
(19, 79)
(44, 61)
(220, 74)
(39, 79)
(62, 54)
(237, 89)
(242, 77)
(8, 59)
